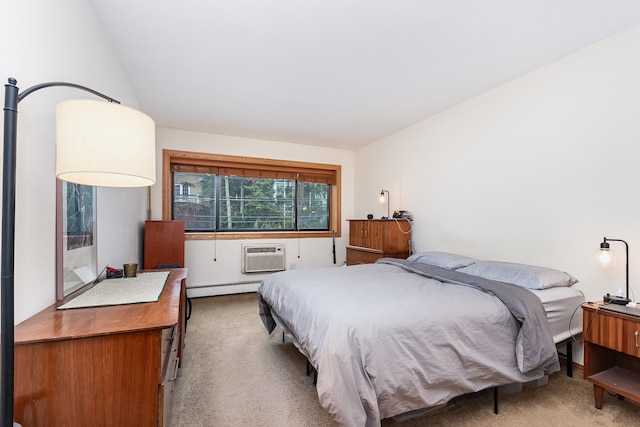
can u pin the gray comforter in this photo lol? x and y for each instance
(397, 336)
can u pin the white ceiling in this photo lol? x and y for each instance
(337, 73)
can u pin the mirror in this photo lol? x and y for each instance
(76, 242)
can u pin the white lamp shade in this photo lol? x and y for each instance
(104, 144)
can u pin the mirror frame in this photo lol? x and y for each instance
(76, 250)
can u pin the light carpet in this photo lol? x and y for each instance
(235, 374)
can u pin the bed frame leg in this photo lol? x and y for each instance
(495, 400)
(315, 373)
(569, 359)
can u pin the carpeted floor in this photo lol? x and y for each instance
(235, 374)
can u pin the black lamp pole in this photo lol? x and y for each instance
(11, 100)
(604, 246)
(8, 247)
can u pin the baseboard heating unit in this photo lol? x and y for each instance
(263, 258)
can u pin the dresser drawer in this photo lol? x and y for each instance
(170, 363)
(169, 338)
(368, 256)
(356, 256)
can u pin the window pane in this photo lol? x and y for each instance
(313, 206)
(194, 200)
(256, 203)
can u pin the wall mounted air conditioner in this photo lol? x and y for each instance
(263, 258)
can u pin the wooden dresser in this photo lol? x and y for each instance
(101, 366)
(370, 239)
(163, 243)
(611, 352)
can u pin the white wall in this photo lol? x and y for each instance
(209, 277)
(537, 171)
(59, 41)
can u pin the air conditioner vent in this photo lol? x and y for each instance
(263, 258)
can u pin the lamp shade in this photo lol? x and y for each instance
(605, 258)
(104, 144)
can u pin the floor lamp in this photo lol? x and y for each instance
(97, 143)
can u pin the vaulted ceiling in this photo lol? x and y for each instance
(337, 73)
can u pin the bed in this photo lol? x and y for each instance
(401, 335)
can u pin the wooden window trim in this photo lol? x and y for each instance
(314, 172)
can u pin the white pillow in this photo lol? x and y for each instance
(527, 276)
(442, 259)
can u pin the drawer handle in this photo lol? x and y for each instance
(636, 334)
(175, 375)
(175, 369)
(174, 330)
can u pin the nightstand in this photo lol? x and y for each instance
(611, 352)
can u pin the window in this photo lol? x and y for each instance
(240, 197)
(250, 204)
(183, 189)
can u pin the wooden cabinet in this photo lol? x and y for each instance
(611, 352)
(100, 366)
(370, 239)
(163, 243)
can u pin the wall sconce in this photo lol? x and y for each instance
(382, 199)
(605, 259)
(97, 143)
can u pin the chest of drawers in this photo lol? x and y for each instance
(370, 239)
(101, 366)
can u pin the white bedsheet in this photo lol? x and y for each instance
(385, 341)
(562, 306)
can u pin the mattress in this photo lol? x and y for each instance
(562, 306)
(564, 312)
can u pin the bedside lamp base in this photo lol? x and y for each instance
(612, 299)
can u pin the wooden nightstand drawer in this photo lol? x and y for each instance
(614, 331)
(630, 338)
